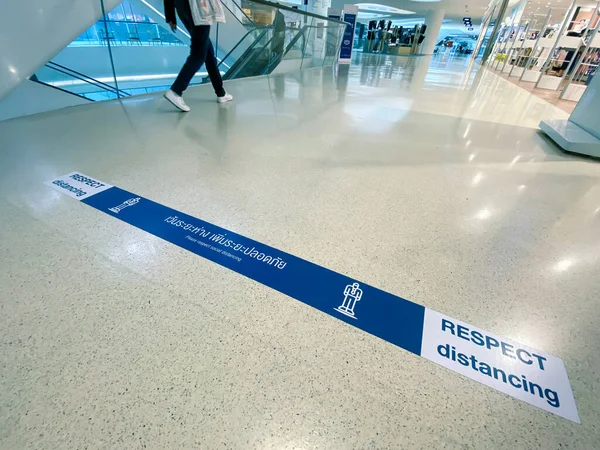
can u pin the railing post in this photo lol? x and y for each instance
(112, 63)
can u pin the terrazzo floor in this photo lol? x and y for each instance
(425, 178)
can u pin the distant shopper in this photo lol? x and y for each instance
(278, 41)
(197, 17)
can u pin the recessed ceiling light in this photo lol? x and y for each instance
(375, 7)
(366, 15)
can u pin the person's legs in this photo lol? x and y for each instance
(198, 53)
(213, 71)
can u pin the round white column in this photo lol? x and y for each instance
(319, 7)
(433, 20)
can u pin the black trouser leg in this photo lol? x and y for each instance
(198, 52)
(213, 71)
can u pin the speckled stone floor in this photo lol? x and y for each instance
(423, 178)
(552, 97)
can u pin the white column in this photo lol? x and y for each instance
(319, 7)
(317, 34)
(433, 20)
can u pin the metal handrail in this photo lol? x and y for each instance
(85, 78)
(99, 84)
(298, 11)
(243, 12)
(36, 80)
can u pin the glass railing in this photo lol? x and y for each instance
(299, 39)
(132, 51)
(127, 25)
(121, 32)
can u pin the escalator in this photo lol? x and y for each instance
(253, 60)
(267, 51)
(253, 64)
(287, 40)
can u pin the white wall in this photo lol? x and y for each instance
(32, 98)
(33, 31)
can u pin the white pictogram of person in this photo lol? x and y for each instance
(125, 204)
(352, 294)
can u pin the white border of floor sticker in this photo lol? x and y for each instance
(535, 377)
(522, 372)
(77, 185)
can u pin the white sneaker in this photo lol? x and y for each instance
(176, 100)
(226, 98)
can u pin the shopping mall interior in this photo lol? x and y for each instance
(385, 241)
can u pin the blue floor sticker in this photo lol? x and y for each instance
(535, 377)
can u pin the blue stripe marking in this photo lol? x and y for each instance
(392, 318)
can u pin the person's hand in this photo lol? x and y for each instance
(173, 26)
